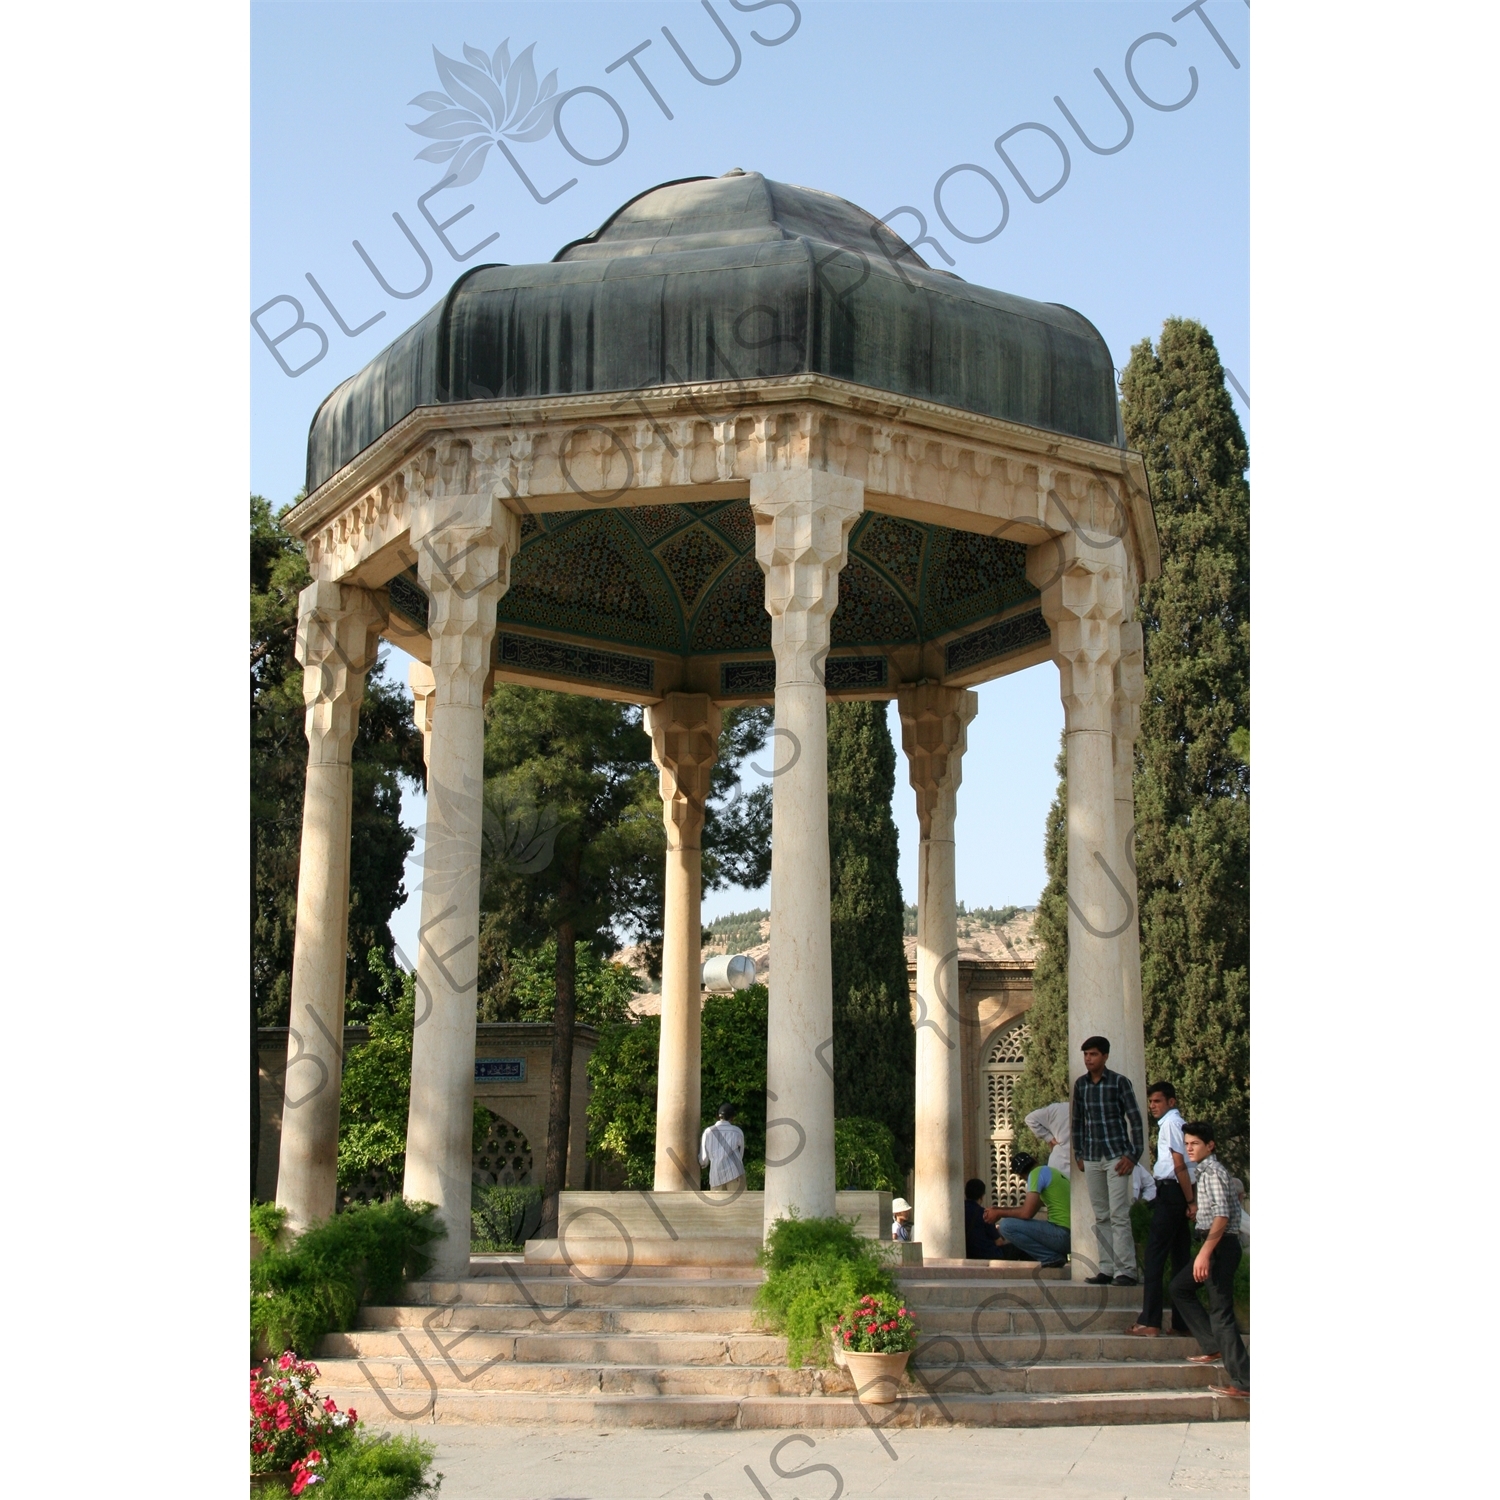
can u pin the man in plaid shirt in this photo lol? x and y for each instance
(1108, 1140)
(1218, 1220)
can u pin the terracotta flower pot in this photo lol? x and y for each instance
(877, 1377)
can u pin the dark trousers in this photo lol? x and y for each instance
(1169, 1238)
(1215, 1329)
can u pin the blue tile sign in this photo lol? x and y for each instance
(499, 1070)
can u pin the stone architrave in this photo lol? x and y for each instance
(1130, 688)
(338, 637)
(802, 522)
(684, 730)
(1081, 576)
(464, 544)
(934, 734)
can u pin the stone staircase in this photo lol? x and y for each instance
(1003, 1344)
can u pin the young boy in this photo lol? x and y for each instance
(1046, 1240)
(1215, 1263)
(722, 1151)
(901, 1220)
(1170, 1208)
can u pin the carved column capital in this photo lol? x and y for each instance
(684, 730)
(934, 735)
(423, 689)
(802, 522)
(465, 545)
(1130, 689)
(1081, 576)
(338, 638)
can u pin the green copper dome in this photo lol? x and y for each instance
(722, 279)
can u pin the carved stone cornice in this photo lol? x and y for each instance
(802, 524)
(464, 545)
(934, 735)
(338, 638)
(916, 458)
(1083, 602)
(684, 730)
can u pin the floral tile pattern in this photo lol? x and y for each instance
(733, 615)
(691, 559)
(895, 545)
(592, 578)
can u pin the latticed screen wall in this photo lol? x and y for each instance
(1001, 1070)
(504, 1156)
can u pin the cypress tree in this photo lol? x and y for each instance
(874, 1044)
(1044, 1080)
(1192, 784)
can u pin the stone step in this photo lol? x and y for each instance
(980, 1321)
(571, 1348)
(574, 1291)
(521, 1318)
(601, 1257)
(1054, 1294)
(637, 1213)
(994, 1350)
(429, 1371)
(432, 1403)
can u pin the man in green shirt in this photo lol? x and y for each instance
(1047, 1240)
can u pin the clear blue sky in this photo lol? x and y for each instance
(874, 102)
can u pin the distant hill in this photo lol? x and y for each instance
(1003, 933)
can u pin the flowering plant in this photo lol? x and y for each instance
(290, 1428)
(875, 1325)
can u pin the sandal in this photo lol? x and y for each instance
(1230, 1390)
(1204, 1359)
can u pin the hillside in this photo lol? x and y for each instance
(1003, 933)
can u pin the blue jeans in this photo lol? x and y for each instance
(1036, 1237)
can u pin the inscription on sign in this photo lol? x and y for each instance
(499, 1070)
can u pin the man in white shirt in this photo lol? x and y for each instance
(1171, 1210)
(722, 1151)
(1052, 1125)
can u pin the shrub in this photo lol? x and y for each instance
(501, 1215)
(364, 1254)
(876, 1325)
(383, 1467)
(864, 1153)
(815, 1268)
(265, 1223)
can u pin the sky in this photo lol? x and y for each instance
(874, 102)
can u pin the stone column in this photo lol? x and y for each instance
(1081, 576)
(464, 546)
(802, 523)
(1129, 1057)
(338, 636)
(934, 734)
(684, 730)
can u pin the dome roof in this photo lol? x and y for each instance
(723, 279)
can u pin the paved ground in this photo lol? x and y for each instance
(1086, 1463)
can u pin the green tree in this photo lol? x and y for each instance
(622, 1098)
(623, 1073)
(1192, 783)
(386, 748)
(1044, 1079)
(874, 1043)
(375, 1085)
(605, 989)
(573, 852)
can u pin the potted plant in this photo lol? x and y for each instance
(875, 1337)
(291, 1430)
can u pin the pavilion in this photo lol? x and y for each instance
(739, 445)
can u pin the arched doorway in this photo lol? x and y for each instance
(1002, 1067)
